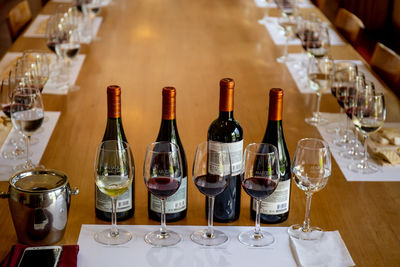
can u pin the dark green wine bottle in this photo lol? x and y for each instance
(115, 131)
(275, 208)
(226, 131)
(176, 205)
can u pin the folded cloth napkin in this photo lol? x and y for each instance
(68, 258)
(329, 251)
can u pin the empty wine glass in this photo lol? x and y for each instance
(27, 117)
(287, 25)
(260, 179)
(369, 114)
(35, 65)
(212, 170)
(320, 72)
(113, 172)
(162, 173)
(91, 8)
(311, 170)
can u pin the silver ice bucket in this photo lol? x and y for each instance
(39, 201)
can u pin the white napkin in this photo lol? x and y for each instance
(329, 251)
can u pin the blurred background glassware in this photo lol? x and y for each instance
(35, 65)
(368, 115)
(259, 180)
(56, 33)
(311, 170)
(91, 8)
(320, 74)
(211, 177)
(113, 175)
(27, 116)
(317, 39)
(162, 174)
(68, 51)
(267, 8)
(287, 24)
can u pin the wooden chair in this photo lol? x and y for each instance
(18, 17)
(386, 63)
(349, 25)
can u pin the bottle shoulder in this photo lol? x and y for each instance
(225, 130)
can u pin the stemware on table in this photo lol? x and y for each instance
(212, 171)
(113, 175)
(27, 116)
(311, 170)
(287, 24)
(320, 73)
(368, 115)
(162, 173)
(35, 67)
(259, 180)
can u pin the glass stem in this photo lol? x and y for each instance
(364, 162)
(318, 106)
(306, 223)
(257, 230)
(210, 229)
(163, 228)
(114, 230)
(27, 139)
(285, 48)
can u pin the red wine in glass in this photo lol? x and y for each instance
(259, 187)
(163, 187)
(211, 185)
(7, 108)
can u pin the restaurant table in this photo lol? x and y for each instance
(145, 45)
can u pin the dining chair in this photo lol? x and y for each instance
(386, 63)
(18, 17)
(349, 25)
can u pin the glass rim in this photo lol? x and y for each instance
(161, 143)
(303, 146)
(260, 144)
(100, 146)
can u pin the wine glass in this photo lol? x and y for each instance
(311, 170)
(212, 170)
(27, 116)
(35, 65)
(287, 23)
(113, 173)
(368, 115)
(162, 173)
(317, 40)
(320, 72)
(260, 179)
(91, 8)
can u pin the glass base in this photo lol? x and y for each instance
(315, 121)
(28, 165)
(368, 168)
(158, 239)
(297, 231)
(262, 239)
(352, 154)
(201, 238)
(105, 237)
(282, 59)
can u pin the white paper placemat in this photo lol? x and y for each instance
(386, 173)
(185, 254)
(51, 86)
(272, 4)
(36, 150)
(297, 66)
(31, 32)
(279, 39)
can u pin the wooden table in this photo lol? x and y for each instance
(146, 45)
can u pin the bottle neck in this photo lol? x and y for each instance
(226, 115)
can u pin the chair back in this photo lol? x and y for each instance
(349, 25)
(386, 63)
(18, 17)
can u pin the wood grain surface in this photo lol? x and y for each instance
(148, 44)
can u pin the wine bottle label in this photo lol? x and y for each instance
(124, 201)
(235, 150)
(278, 202)
(174, 203)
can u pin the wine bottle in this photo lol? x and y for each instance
(226, 131)
(176, 205)
(275, 208)
(115, 131)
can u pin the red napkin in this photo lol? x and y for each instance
(68, 258)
